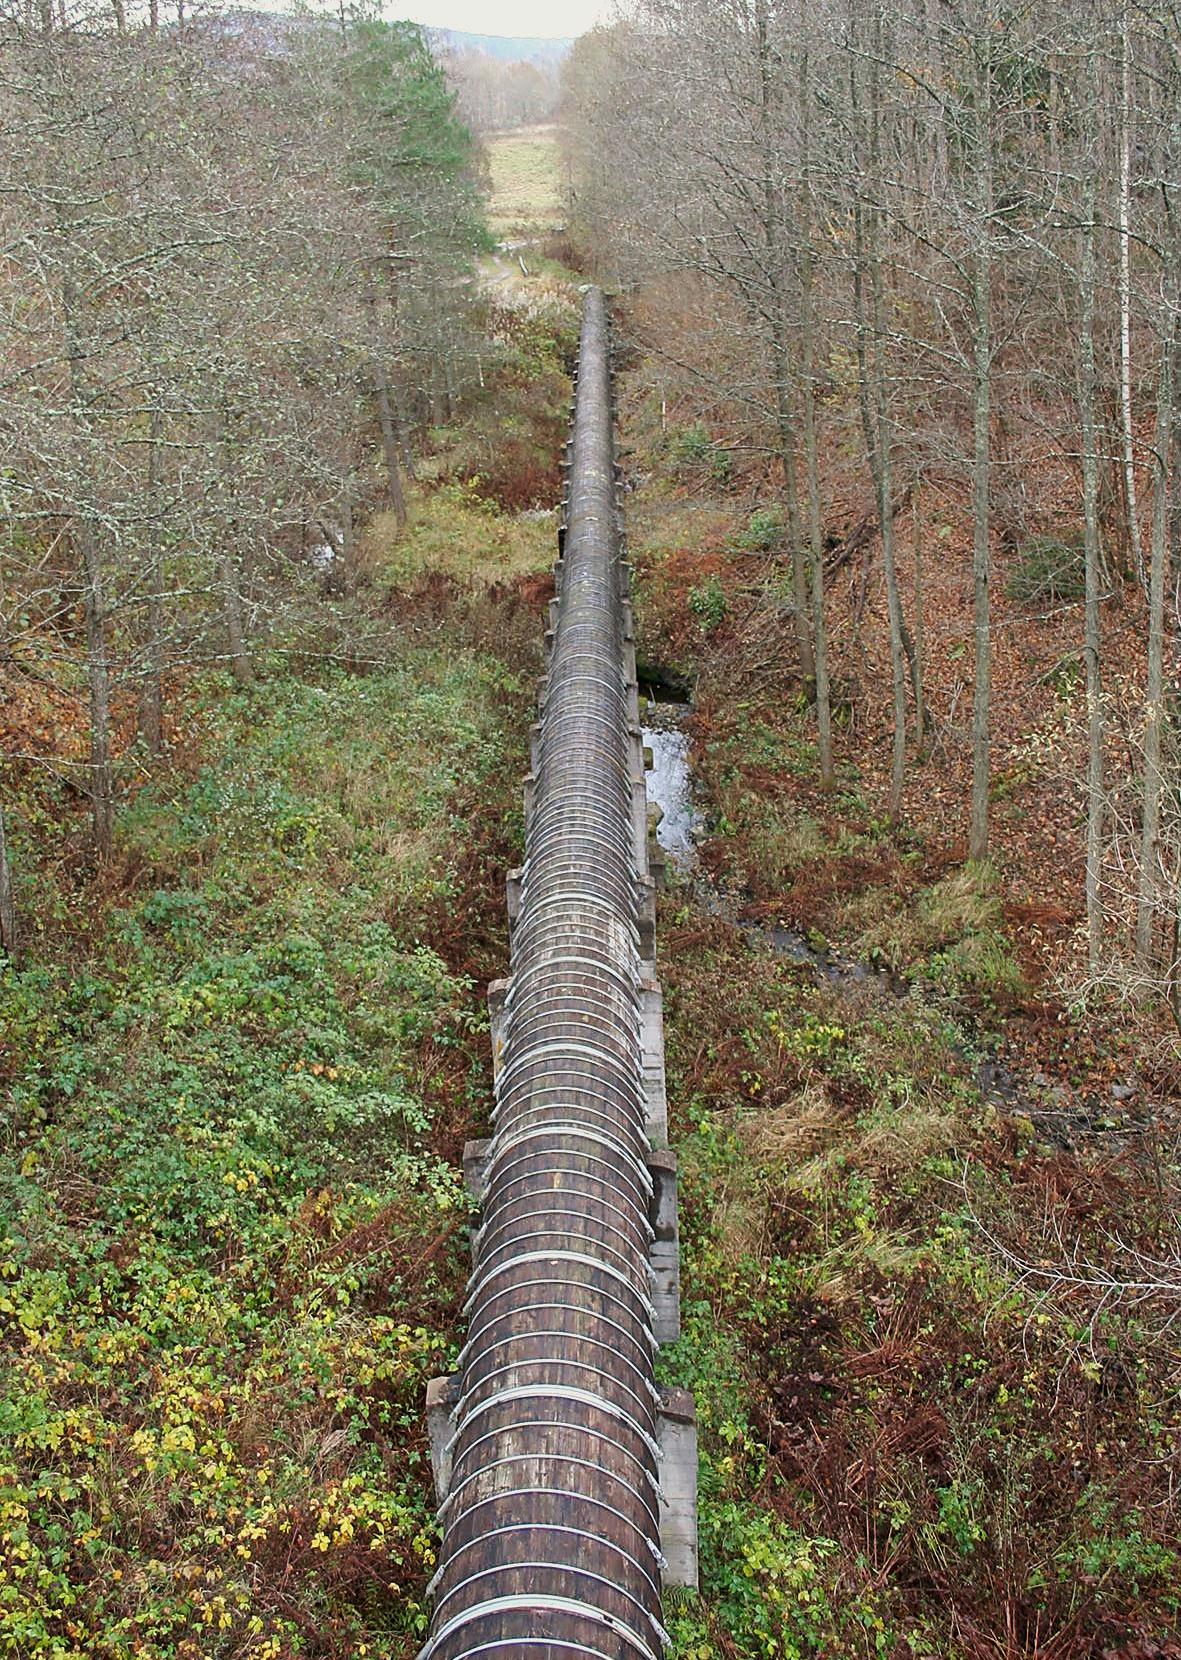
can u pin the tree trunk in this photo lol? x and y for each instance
(9, 941)
(799, 570)
(918, 665)
(815, 520)
(389, 442)
(348, 539)
(981, 445)
(781, 353)
(98, 677)
(151, 709)
(1092, 634)
(1125, 292)
(228, 569)
(1154, 713)
(98, 673)
(889, 563)
(875, 419)
(231, 594)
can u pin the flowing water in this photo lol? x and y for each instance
(670, 779)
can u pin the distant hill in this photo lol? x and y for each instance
(506, 48)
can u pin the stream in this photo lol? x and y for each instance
(669, 777)
(1062, 1114)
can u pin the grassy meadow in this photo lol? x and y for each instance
(527, 195)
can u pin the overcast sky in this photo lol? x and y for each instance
(552, 18)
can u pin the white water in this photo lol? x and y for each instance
(670, 781)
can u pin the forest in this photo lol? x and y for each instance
(944, 238)
(289, 320)
(505, 84)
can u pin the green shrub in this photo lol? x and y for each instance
(1049, 569)
(771, 1583)
(762, 531)
(707, 601)
(693, 449)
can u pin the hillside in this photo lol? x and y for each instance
(505, 48)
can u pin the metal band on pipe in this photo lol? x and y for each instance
(552, 1458)
(557, 1568)
(554, 1605)
(482, 1278)
(555, 1527)
(480, 1340)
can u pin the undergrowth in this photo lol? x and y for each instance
(908, 1445)
(231, 1238)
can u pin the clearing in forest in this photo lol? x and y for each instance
(527, 196)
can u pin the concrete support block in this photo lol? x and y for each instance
(530, 784)
(646, 904)
(515, 878)
(640, 835)
(542, 693)
(547, 641)
(676, 1434)
(475, 1168)
(442, 1394)
(652, 1048)
(534, 747)
(657, 858)
(498, 992)
(629, 621)
(555, 610)
(636, 751)
(666, 1247)
(632, 689)
(636, 762)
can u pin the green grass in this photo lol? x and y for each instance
(230, 1251)
(457, 533)
(951, 934)
(527, 196)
